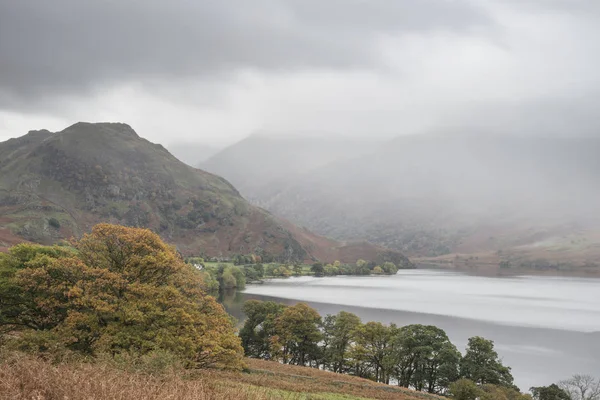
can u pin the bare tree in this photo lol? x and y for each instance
(582, 387)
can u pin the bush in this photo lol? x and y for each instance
(464, 389)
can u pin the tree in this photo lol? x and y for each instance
(374, 343)
(464, 389)
(253, 272)
(318, 269)
(362, 268)
(378, 270)
(238, 275)
(331, 270)
(482, 365)
(297, 335)
(124, 290)
(338, 335)
(259, 327)
(18, 308)
(426, 359)
(552, 392)
(389, 268)
(581, 387)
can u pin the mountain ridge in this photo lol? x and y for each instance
(57, 185)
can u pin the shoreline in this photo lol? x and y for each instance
(490, 270)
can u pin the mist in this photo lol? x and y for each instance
(431, 194)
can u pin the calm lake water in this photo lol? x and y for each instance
(545, 328)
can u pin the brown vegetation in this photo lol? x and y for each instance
(25, 378)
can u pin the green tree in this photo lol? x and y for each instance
(338, 336)
(552, 392)
(259, 327)
(426, 359)
(331, 270)
(238, 274)
(374, 342)
(253, 273)
(389, 268)
(18, 307)
(297, 335)
(318, 269)
(123, 291)
(482, 365)
(362, 268)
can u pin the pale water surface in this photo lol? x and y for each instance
(545, 328)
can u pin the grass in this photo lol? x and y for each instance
(27, 378)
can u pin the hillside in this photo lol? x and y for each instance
(28, 378)
(261, 164)
(502, 198)
(58, 185)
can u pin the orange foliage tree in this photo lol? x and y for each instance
(119, 290)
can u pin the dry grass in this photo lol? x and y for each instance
(26, 378)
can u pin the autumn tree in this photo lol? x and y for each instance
(464, 389)
(121, 290)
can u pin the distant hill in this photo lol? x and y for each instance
(511, 197)
(192, 153)
(262, 163)
(57, 185)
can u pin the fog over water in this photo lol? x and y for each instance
(545, 328)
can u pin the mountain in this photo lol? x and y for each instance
(515, 198)
(192, 153)
(261, 162)
(58, 185)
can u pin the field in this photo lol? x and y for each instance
(25, 378)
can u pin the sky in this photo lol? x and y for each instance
(215, 71)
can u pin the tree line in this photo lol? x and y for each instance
(414, 356)
(235, 275)
(420, 357)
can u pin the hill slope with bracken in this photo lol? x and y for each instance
(58, 185)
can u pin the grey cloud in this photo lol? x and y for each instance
(66, 46)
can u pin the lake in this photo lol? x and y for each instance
(545, 328)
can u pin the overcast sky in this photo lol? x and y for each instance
(215, 71)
